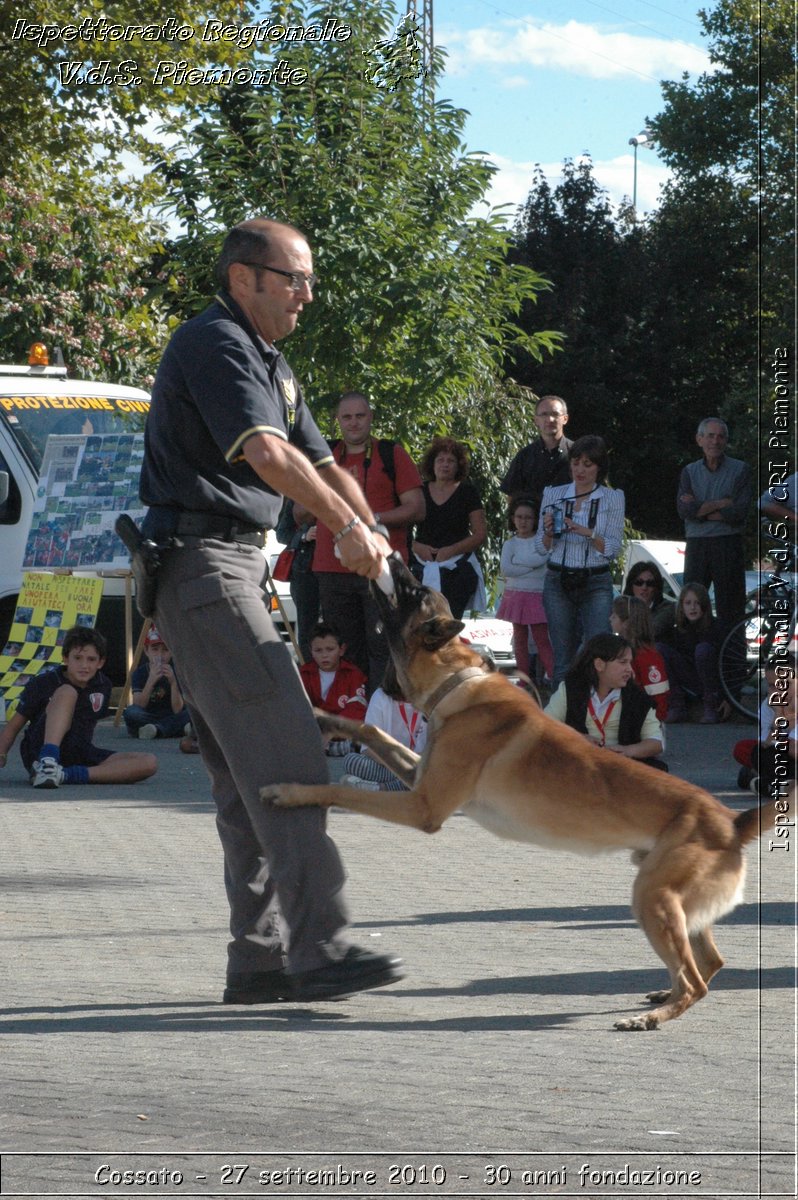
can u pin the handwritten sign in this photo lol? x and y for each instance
(48, 606)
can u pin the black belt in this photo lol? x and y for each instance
(590, 570)
(220, 529)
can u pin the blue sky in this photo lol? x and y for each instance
(545, 80)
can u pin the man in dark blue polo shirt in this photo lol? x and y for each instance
(228, 436)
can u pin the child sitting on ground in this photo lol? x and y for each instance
(61, 708)
(630, 618)
(333, 684)
(777, 729)
(391, 713)
(690, 650)
(600, 699)
(158, 708)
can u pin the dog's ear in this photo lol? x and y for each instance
(438, 631)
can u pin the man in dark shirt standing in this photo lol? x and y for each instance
(228, 436)
(544, 462)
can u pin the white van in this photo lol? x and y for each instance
(38, 401)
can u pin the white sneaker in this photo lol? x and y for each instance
(148, 732)
(47, 773)
(365, 785)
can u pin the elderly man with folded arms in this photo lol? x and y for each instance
(715, 494)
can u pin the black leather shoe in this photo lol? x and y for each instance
(261, 987)
(357, 971)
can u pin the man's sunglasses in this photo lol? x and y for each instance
(295, 278)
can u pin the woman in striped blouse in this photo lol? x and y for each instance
(581, 525)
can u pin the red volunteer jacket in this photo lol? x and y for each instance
(650, 673)
(347, 694)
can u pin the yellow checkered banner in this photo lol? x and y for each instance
(48, 606)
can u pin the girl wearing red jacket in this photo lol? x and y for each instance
(631, 619)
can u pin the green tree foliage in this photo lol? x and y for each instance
(74, 266)
(77, 249)
(42, 109)
(600, 278)
(596, 269)
(735, 124)
(664, 321)
(417, 303)
(724, 235)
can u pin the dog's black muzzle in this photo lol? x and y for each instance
(406, 600)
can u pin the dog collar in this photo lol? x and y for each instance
(449, 685)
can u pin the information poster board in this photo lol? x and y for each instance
(86, 481)
(48, 606)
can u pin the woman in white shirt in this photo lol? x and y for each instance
(600, 699)
(581, 525)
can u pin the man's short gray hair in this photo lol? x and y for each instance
(702, 428)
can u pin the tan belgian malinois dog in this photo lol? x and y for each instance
(492, 753)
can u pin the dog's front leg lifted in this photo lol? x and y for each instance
(401, 808)
(297, 795)
(392, 754)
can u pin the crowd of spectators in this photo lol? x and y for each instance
(566, 527)
(228, 435)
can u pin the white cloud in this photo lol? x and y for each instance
(575, 47)
(514, 180)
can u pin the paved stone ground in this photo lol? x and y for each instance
(496, 1051)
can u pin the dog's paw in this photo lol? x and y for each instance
(328, 723)
(276, 794)
(645, 1021)
(294, 795)
(658, 997)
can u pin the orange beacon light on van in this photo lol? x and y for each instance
(38, 355)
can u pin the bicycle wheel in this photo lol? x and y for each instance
(740, 664)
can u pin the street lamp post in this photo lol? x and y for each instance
(643, 138)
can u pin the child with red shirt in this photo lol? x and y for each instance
(630, 618)
(333, 684)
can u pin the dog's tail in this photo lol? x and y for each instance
(754, 822)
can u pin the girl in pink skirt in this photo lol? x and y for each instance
(524, 568)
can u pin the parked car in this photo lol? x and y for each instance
(492, 637)
(278, 588)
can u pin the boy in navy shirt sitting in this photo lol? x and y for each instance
(158, 708)
(61, 708)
